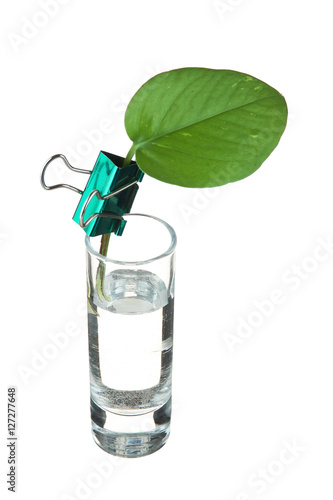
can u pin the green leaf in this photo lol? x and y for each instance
(200, 127)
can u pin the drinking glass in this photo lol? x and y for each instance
(130, 295)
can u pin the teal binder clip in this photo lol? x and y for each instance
(109, 193)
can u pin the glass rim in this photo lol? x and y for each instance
(169, 251)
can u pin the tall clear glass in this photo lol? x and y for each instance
(130, 325)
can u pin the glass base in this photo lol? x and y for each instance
(130, 435)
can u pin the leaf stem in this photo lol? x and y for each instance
(129, 156)
(105, 240)
(104, 244)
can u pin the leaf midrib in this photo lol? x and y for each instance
(138, 145)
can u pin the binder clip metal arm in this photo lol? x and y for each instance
(108, 195)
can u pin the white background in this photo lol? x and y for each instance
(236, 410)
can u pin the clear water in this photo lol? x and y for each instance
(130, 348)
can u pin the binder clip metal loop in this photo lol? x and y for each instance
(68, 165)
(108, 195)
(84, 223)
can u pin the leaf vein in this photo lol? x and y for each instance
(140, 144)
